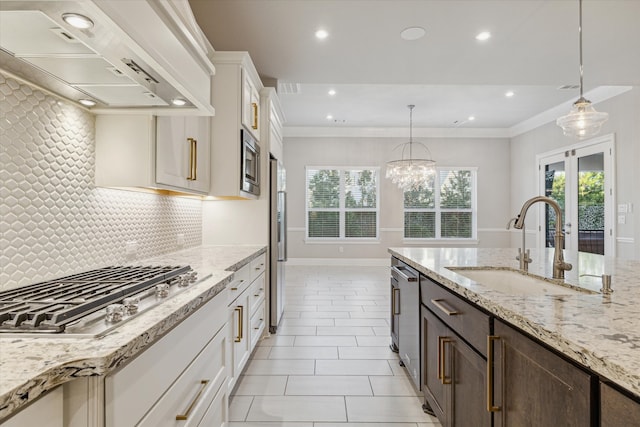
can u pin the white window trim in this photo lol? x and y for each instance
(438, 211)
(341, 210)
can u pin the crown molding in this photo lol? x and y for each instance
(392, 132)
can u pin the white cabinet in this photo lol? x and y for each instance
(46, 411)
(182, 152)
(180, 380)
(236, 95)
(250, 105)
(142, 151)
(273, 122)
(246, 315)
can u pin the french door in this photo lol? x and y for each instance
(580, 178)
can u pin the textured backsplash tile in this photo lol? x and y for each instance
(53, 220)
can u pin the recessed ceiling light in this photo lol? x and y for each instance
(413, 33)
(322, 34)
(509, 94)
(87, 102)
(179, 102)
(485, 35)
(331, 92)
(471, 118)
(78, 21)
(329, 117)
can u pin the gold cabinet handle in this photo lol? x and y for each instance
(490, 406)
(185, 416)
(442, 363)
(439, 359)
(445, 310)
(393, 301)
(193, 159)
(254, 106)
(240, 310)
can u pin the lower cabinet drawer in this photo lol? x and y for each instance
(132, 391)
(258, 266)
(257, 324)
(241, 281)
(468, 321)
(256, 294)
(189, 398)
(216, 414)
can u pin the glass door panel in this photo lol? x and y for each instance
(591, 206)
(555, 188)
(581, 181)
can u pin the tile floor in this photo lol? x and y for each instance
(330, 364)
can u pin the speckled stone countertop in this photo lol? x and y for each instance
(600, 332)
(32, 365)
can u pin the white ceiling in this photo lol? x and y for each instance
(447, 74)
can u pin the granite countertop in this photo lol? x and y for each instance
(598, 331)
(32, 365)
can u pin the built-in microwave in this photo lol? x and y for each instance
(250, 166)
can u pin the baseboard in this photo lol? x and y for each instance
(364, 262)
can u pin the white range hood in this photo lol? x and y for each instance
(138, 54)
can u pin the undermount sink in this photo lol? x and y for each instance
(514, 282)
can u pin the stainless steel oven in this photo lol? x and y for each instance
(250, 175)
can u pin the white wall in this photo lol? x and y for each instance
(624, 122)
(53, 220)
(490, 156)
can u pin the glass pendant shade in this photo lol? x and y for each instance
(411, 173)
(583, 121)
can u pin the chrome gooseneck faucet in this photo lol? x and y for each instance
(559, 266)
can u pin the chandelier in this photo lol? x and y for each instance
(583, 121)
(411, 173)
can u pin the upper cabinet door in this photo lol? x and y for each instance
(182, 153)
(250, 106)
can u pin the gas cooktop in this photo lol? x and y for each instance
(91, 303)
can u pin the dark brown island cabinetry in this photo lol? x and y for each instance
(454, 370)
(616, 409)
(532, 386)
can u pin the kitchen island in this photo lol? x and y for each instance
(599, 332)
(31, 365)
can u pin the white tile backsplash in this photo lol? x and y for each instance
(53, 220)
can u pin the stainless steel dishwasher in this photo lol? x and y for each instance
(409, 317)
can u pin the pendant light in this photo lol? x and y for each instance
(411, 173)
(583, 121)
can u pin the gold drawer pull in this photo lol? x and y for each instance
(185, 416)
(490, 406)
(445, 310)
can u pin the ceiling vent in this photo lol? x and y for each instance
(569, 87)
(285, 88)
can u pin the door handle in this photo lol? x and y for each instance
(240, 310)
(442, 360)
(193, 159)
(254, 106)
(490, 404)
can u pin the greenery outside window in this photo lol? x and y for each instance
(444, 208)
(342, 203)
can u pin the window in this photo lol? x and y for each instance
(342, 203)
(444, 208)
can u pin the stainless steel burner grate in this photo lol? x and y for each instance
(50, 306)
